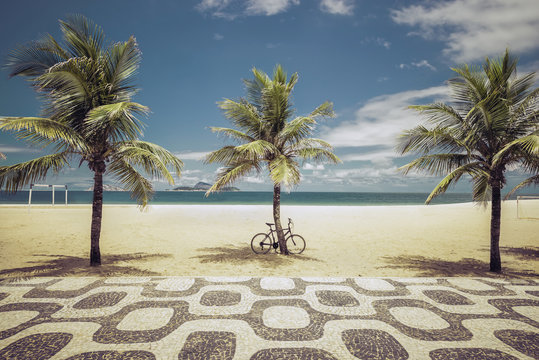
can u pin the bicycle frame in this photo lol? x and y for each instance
(273, 231)
(262, 242)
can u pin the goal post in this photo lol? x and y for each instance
(52, 187)
(528, 207)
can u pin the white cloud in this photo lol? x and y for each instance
(424, 63)
(212, 4)
(337, 7)
(231, 9)
(192, 155)
(378, 41)
(473, 29)
(380, 157)
(227, 9)
(190, 172)
(253, 179)
(381, 119)
(268, 7)
(308, 166)
(419, 64)
(218, 37)
(15, 149)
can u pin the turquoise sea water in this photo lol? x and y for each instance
(239, 198)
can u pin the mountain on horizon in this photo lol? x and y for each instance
(202, 186)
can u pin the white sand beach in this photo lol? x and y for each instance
(214, 240)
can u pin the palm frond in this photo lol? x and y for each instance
(437, 164)
(454, 176)
(258, 149)
(233, 134)
(35, 58)
(318, 155)
(533, 180)
(225, 155)
(15, 177)
(121, 64)
(440, 114)
(481, 189)
(324, 110)
(116, 121)
(310, 142)
(297, 129)
(527, 144)
(141, 189)
(154, 159)
(232, 173)
(43, 132)
(68, 80)
(284, 170)
(423, 140)
(82, 37)
(243, 115)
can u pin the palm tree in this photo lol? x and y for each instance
(493, 124)
(268, 137)
(88, 115)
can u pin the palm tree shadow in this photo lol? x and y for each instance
(242, 255)
(63, 265)
(523, 253)
(435, 267)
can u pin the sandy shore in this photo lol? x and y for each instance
(436, 240)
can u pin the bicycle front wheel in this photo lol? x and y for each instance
(295, 244)
(261, 243)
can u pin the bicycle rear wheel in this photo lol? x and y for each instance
(295, 244)
(261, 243)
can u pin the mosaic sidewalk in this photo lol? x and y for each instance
(269, 318)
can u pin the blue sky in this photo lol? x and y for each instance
(370, 58)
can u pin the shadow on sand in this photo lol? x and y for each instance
(525, 253)
(62, 265)
(436, 267)
(242, 255)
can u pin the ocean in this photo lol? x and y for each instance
(239, 198)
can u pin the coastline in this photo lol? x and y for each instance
(214, 240)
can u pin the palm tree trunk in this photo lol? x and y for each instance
(97, 214)
(495, 261)
(277, 218)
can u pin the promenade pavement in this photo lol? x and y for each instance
(269, 318)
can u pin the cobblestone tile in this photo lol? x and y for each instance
(269, 318)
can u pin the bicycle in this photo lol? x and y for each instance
(263, 242)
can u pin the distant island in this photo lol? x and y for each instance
(202, 186)
(107, 187)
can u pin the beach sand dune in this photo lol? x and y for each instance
(214, 240)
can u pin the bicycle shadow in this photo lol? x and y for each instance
(243, 255)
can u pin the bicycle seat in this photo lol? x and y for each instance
(269, 224)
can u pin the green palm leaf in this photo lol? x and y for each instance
(454, 176)
(141, 189)
(232, 173)
(284, 170)
(533, 180)
(43, 132)
(233, 134)
(15, 177)
(152, 158)
(116, 121)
